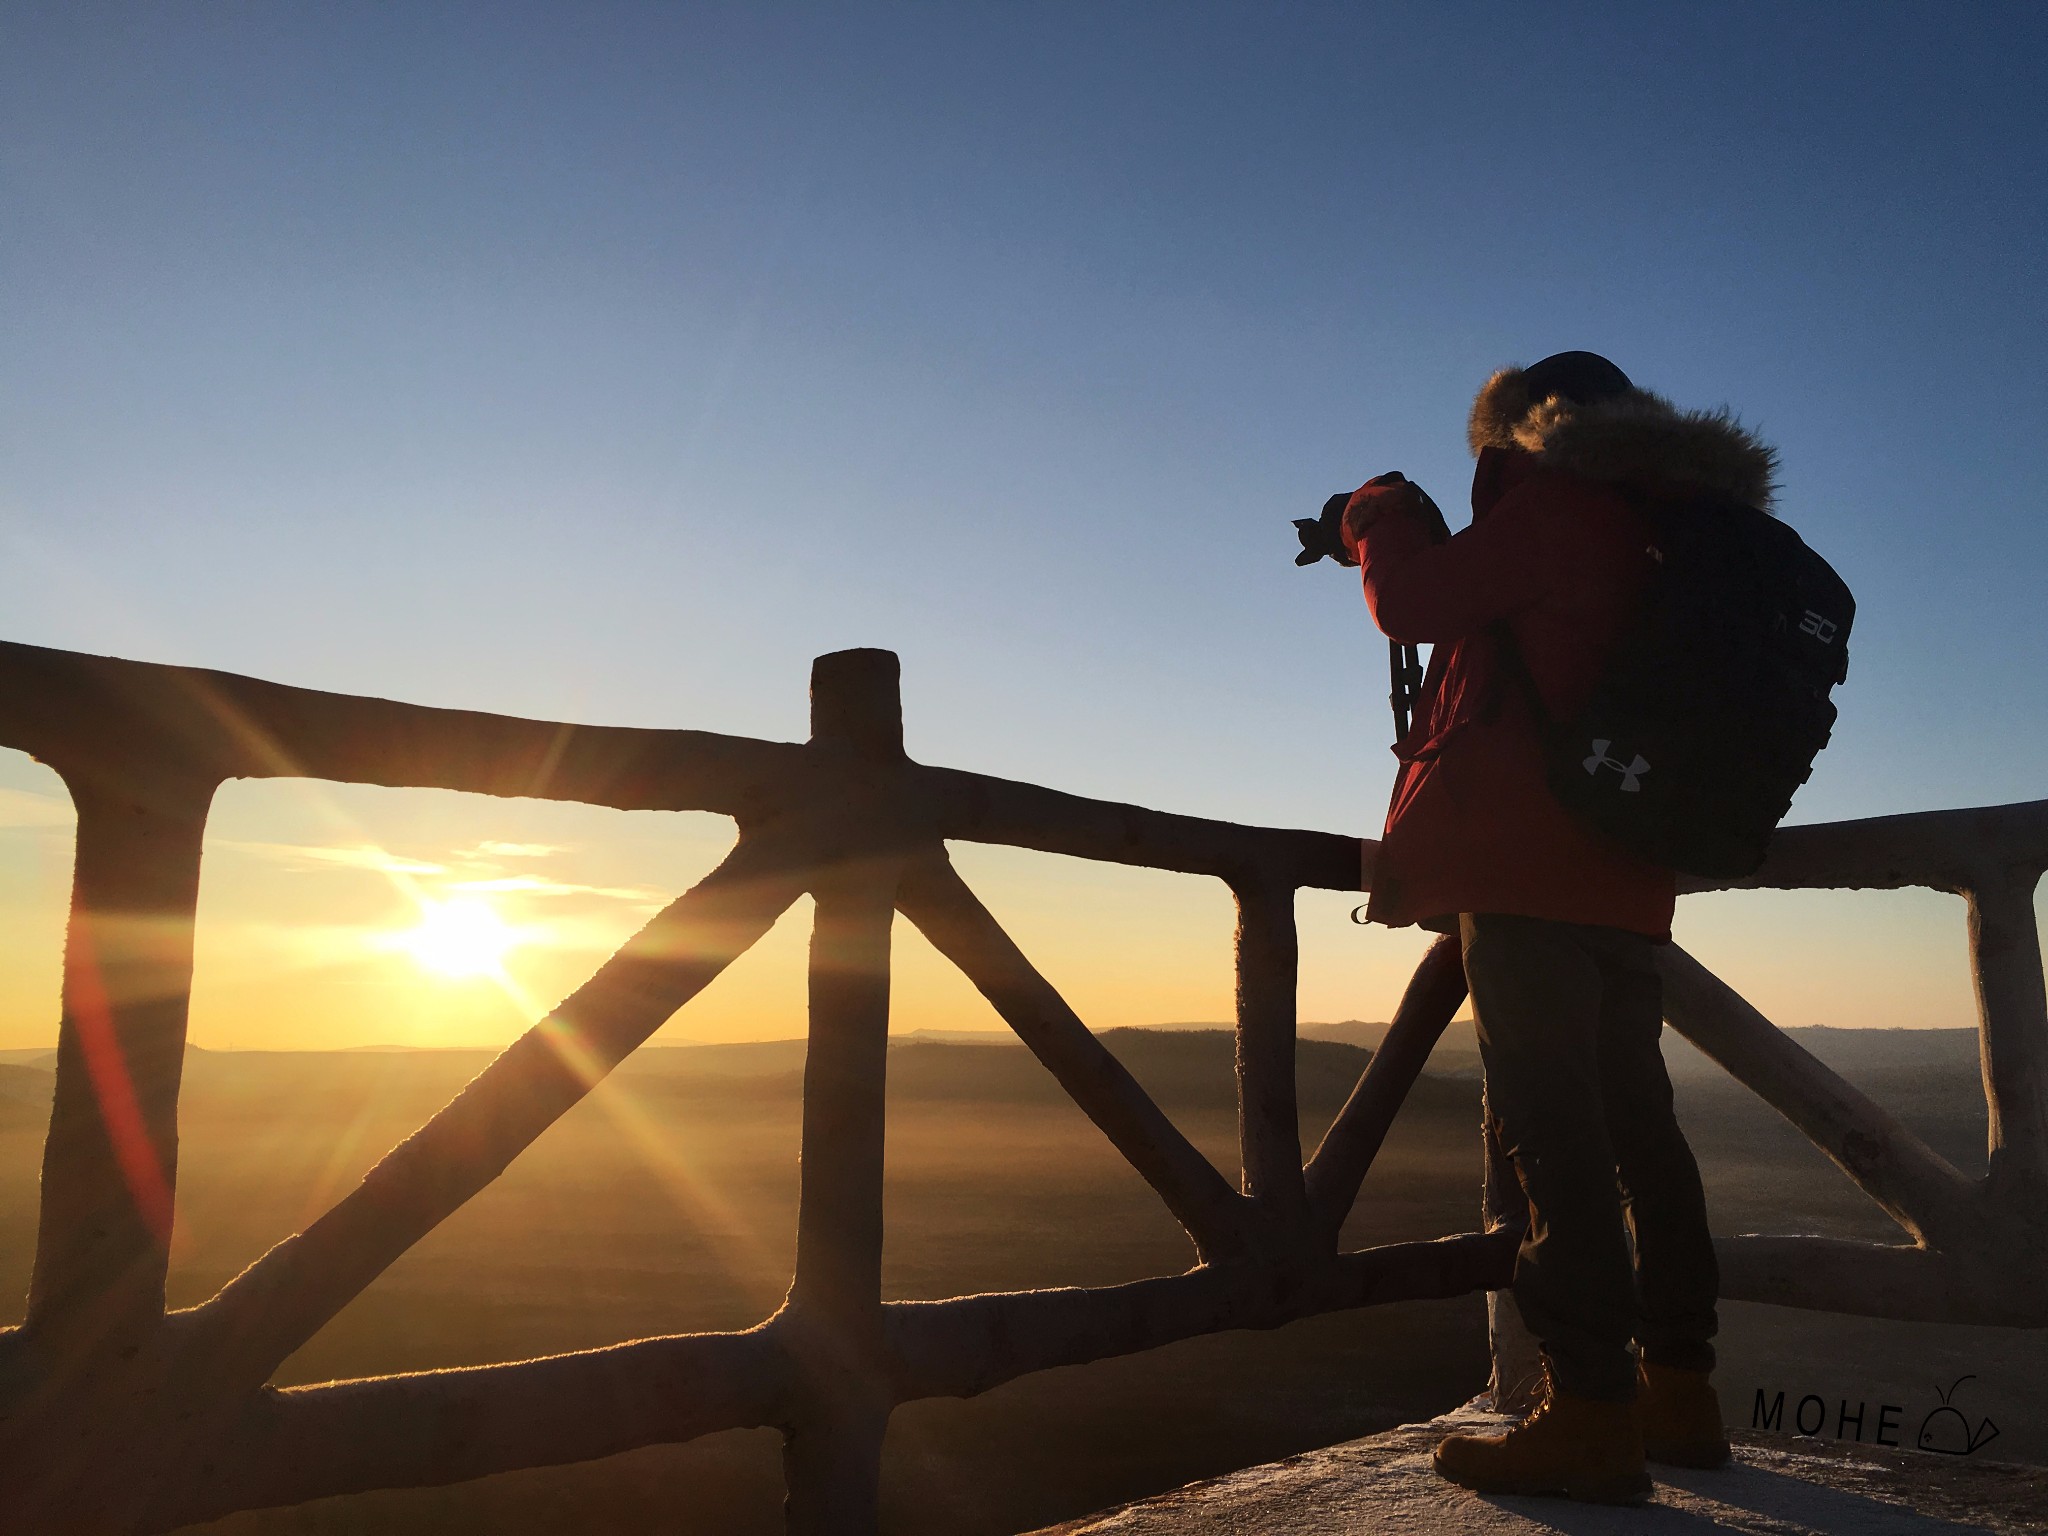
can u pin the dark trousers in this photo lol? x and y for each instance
(1568, 1018)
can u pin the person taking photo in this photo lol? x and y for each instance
(1559, 923)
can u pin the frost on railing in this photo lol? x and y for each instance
(116, 1416)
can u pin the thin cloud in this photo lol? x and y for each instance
(491, 848)
(21, 808)
(260, 949)
(541, 885)
(372, 859)
(366, 856)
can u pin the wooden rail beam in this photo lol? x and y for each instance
(436, 1427)
(979, 808)
(1941, 850)
(63, 706)
(1890, 1280)
(67, 708)
(966, 1346)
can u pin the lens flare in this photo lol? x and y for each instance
(459, 938)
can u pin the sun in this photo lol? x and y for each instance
(464, 937)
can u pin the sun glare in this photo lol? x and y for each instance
(459, 938)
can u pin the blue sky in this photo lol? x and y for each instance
(609, 361)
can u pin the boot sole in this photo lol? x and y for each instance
(1624, 1490)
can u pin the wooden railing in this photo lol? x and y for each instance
(117, 1416)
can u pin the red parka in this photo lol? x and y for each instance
(1559, 552)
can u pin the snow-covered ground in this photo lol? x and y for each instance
(1778, 1487)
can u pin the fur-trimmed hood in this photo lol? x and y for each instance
(1637, 438)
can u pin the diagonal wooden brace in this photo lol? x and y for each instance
(1916, 1186)
(937, 900)
(1434, 994)
(288, 1295)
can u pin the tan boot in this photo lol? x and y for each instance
(1573, 1446)
(1681, 1417)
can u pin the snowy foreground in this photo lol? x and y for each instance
(1778, 1487)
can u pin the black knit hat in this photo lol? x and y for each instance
(1581, 377)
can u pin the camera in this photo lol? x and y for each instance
(1323, 537)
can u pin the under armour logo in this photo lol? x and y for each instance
(1821, 629)
(1631, 773)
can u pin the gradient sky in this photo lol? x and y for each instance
(608, 362)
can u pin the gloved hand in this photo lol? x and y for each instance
(1381, 496)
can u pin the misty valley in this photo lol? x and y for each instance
(666, 1203)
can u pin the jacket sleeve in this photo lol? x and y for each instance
(1422, 592)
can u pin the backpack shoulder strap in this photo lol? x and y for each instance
(1515, 666)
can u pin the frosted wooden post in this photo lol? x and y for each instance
(1269, 1128)
(2005, 963)
(1517, 1378)
(110, 1164)
(832, 1452)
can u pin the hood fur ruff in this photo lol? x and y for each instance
(1637, 438)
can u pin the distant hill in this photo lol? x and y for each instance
(24, 1095)
(1189, 1068)
(1181, 1069)
(1893, 1050)
(1855, 1053)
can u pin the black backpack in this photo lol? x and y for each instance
(1714, 703)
